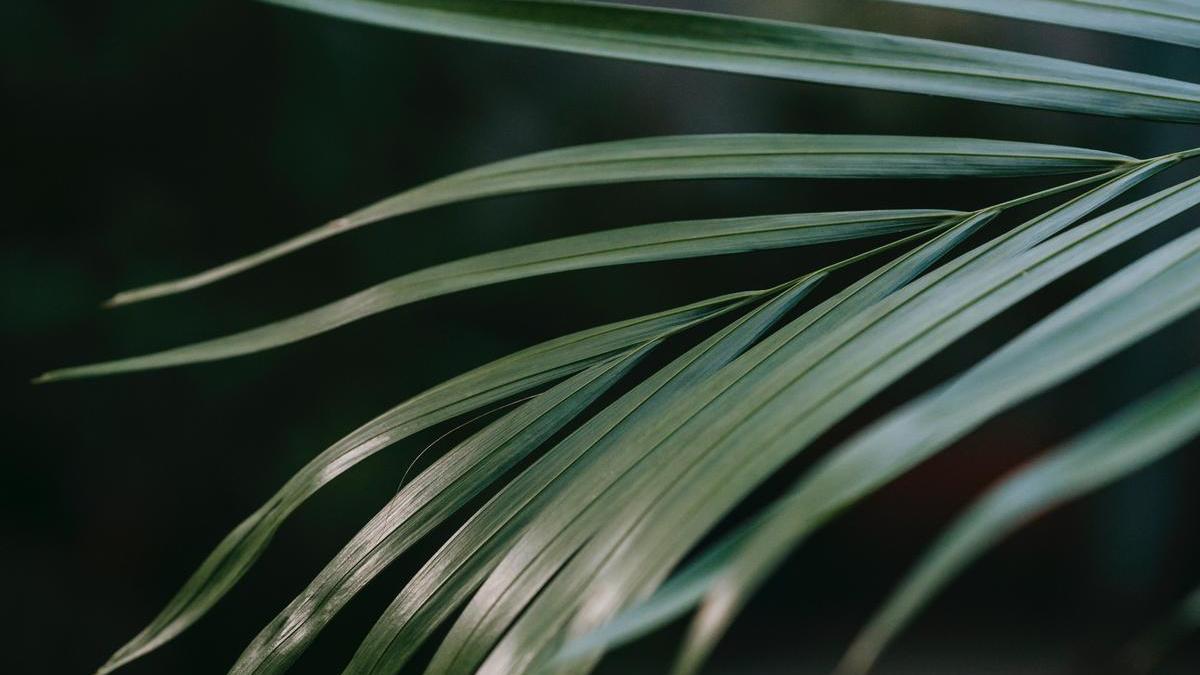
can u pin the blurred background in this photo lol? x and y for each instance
(150, 140)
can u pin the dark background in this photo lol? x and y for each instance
(146, 140)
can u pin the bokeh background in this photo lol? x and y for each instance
(148, 140)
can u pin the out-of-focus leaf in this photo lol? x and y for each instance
(1120, 446)
(1153, 645)
(785, 50)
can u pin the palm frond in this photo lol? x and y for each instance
(660, 241)
(785, 50)
(686, 158)
(687, 430)
(575, 499)
(574, 553)
(592, 500)
(425, 502)
(1144, 297)
(396, 526)
(1175, 21)
(764, 418)
(1137, 436)
(494, 382)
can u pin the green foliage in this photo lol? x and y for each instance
(580, 550)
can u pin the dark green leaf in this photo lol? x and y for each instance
(760, 421)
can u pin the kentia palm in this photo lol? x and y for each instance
(580, 551)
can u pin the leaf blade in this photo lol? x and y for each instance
(1133, 438)
(1142, 298)
(784, 50)
(568, 524)
(645, 243)
(687, 157)
(419, 506)
(488, 384)
(1160, 20)
(448, 577)
(640, 559)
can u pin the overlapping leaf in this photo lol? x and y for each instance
(660, 241)
(691, 157)
(572, 475)
(785, 50)
(509, 591)
(1176, 21)
(582, 503)
(465, 470)
(421, 505)
(1134, 438)
(488, 384)
(778, 410)
(1158, 289)
(599, 521)
(557, 536)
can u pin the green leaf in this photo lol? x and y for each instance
(1142, 298)
(690, 157)
(678, 595)
(571, 495)
(449, 577)
(1137, 436)
(486, 385)
(432, 496)
(1162, 20)
(763, 418)
(785, 50)
(661, 241)
(593, 498)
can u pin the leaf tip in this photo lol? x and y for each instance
(126, 298)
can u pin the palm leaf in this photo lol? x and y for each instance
(1163, 20)
(774, 411)
(456, 570)
(660, 241)
(533, 562)
(464, 470)
(578, 505)
(421, 505)
(690, 157)
(1144, 297)
(1122, 445)
(483, 386)
(785, 50)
